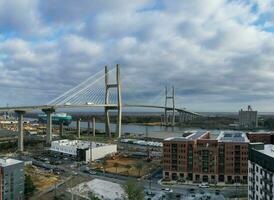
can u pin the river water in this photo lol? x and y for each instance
(153, 131)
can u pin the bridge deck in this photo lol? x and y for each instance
(41, 107)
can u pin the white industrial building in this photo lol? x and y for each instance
(261, 172)
(83, 150)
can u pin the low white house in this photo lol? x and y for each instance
(83, 150)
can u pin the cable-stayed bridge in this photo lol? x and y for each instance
(104, 90)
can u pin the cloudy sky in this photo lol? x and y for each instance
(218, 54)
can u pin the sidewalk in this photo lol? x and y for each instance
(190, 183)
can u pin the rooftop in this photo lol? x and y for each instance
(4, 162)
(232, 136)
(268, 150)
(80, 144)
(266, 132)
(193, 136)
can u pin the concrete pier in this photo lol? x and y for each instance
(20, 130)
(108, 86)
(79, 128)
(89, 127)
(49, 124)
(93, 126)
(119, 103)
(169, 120)
(61, 129)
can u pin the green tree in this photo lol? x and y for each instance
(29, 187)
(139, 166)
(128, 167)
(116, 165)
(133, 191)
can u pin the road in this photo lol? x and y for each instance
(153, 184)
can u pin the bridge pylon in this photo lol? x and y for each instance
(118, 107)
(171, 97)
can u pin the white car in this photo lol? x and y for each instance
(167, 189)
(92, 172)
(89, 103)
(204, 185)
(75, 173)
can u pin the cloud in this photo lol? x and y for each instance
(217, 55)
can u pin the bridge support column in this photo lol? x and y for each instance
(107, 120)
(119, 102)
(93, 126)
(173, 107)
(188, 117)
(172, 97)
(88, 130)
(61, 130)
(78, 128)
(49, 124)
(20, 130)
(162, 121)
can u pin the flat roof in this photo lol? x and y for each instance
(80, 144)
(268, 150)
(4, 162)
(232, 136)
(193, 136)
(262, 132)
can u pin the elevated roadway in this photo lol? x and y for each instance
(45, 107)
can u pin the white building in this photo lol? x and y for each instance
(260, 172)
(83, 150)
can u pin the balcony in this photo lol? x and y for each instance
(252, 179)
(251, 170)
(267, 191)
(268, 180)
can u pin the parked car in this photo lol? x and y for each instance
(75, 173)
(167, 189)
(203, 185)
(217, 192)
(191, 190)
(92, 172)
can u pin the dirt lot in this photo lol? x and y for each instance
(41, 179)
(128, 166)
(60, 192)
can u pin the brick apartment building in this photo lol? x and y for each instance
(197, 157)
(264, 137)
